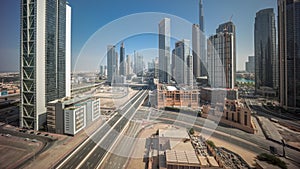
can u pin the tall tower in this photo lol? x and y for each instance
(201, 16)
(68, 49)
(128, 65)
(221, 58)
(182, 63)
(289, 53)
(266, 61)
(43, 49)
(164, 51)
(229, 27)
(111, 63)
(122, 60)
(196, 50)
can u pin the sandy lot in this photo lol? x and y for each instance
(137, 161)
(15, 150)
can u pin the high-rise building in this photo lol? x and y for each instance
(183, 64)
(122, 60)
(138, 64)
(68, 50)
(201, 16)
(128, 65)
(156, 67)
(164, 51)
(266, 61)
(202, 50)
(103, 70)
(196, 50)
(221, 58)
(229, 27)
(111, 63)
(289, 53)
(250, 65)
(44, 52)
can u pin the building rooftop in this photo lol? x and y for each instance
(212, 161)
(182, 157)
(181, 145)
(174, 133)
(171, 88)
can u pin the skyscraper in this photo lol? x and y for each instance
(250, 65)
(164, 51)
(183, 63)
(196, 50)
(45, 50)
(138, 64)
(289, 53)
(229, 27)
(68, 50)
(221, 59)
(202, 50)
(128, 65)
(201, 16)
(122, 60)
(111, 63)
(265, 50)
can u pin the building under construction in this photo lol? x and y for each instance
(173, 96)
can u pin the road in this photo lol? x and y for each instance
(260, 110)
(122, 151)
(90, 153)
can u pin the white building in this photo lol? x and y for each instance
(96, 109)
(45, 51)
(74, 119)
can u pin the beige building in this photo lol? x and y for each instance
(234, 113)
(178, 151)
(172, 96)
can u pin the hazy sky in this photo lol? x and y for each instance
(89, 17)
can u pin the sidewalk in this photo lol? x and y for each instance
(269, 129)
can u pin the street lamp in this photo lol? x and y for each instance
(283, 147)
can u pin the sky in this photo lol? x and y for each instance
(97, 23)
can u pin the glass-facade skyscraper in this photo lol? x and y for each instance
(196, 50)
(164, 51)
(112, 63)
(221, 57)
(43, 58)
(289, 53)
(183, 65)
(122, 60)
(266, 62)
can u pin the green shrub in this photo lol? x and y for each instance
(271, 159)
(211, 144)
(192, 131)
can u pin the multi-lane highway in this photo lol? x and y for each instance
(91, 152)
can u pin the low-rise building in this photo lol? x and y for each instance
(172, 96)
(233, 113)
(217, 95)
(179, 150)
(57, 110)
(74, 119)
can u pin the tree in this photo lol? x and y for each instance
(192, 131)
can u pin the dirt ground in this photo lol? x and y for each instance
(14, 150)
(137, 162)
